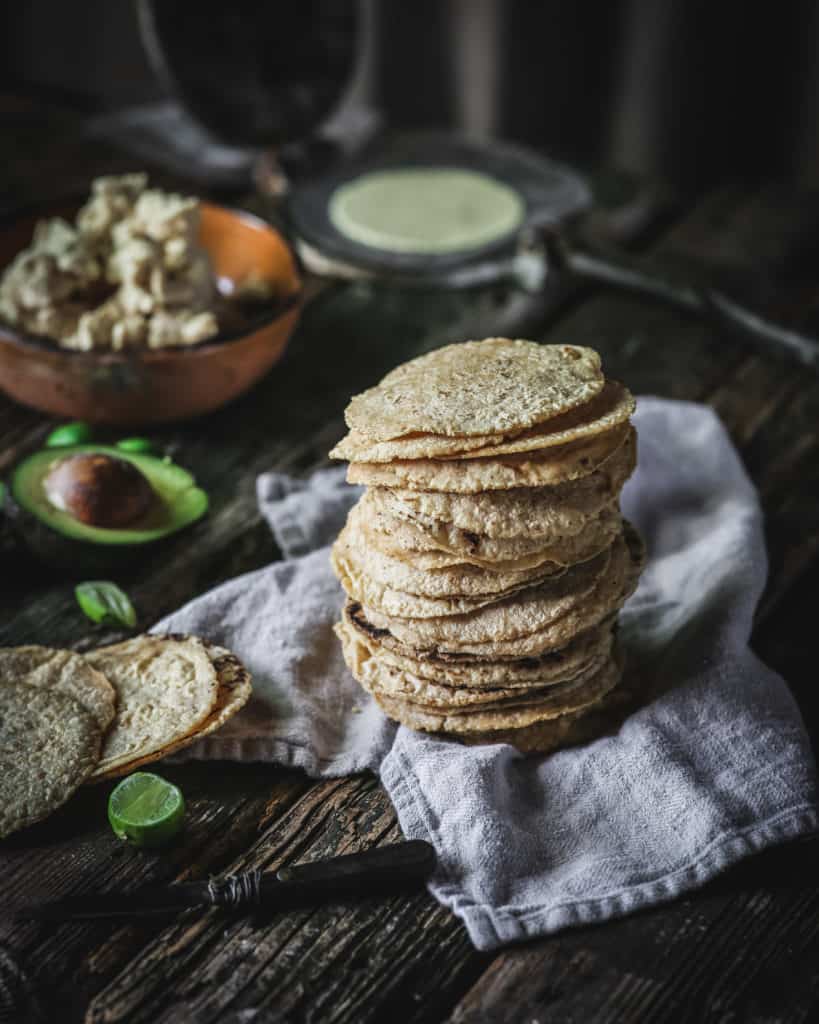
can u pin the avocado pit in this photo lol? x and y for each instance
(99, 490)
(90, 509)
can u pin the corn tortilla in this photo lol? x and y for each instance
(543, 468)
(49, 746)
(533, 621)
(587, 693)
(468, 671)
(604, 412)
(61, 670)
(493, 386)
(234, 690)
(548, 512)
(165, 687)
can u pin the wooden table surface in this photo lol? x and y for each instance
(745, 948)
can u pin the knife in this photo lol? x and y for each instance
(386, 869)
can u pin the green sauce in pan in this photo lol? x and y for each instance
(425, 210)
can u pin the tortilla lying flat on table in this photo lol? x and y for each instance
(66, 671)
(67, 718)
(49, 746)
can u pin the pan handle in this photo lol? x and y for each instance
(768, 336)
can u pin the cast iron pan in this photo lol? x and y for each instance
(550, 192)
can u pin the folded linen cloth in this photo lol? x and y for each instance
(714, 768)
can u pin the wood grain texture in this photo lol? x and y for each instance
(75, 851)
(743, 949)
(332, 963)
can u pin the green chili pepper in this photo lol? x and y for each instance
(68, 434)
(135, 444)
(105, 602)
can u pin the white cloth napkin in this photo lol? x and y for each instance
(716, 767)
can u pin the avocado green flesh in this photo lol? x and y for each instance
(179, 501)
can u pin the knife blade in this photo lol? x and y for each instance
(386, 869)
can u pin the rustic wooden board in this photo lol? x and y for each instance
(406, 958)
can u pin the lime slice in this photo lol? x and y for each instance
(146, 809)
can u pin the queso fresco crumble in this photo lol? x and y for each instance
(128, 273)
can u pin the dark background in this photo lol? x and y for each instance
(693, 92)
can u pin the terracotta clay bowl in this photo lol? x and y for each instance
(141, 387)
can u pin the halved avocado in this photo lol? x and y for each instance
(60, 538)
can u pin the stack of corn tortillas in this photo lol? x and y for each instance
(487, 560)
(67, 718)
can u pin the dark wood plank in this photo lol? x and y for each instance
(76, 851)
(332, 963)
(748, 243)
(786, 639)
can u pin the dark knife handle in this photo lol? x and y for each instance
(387, 869)
(384, 869)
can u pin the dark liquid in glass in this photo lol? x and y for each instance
(255, 72)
